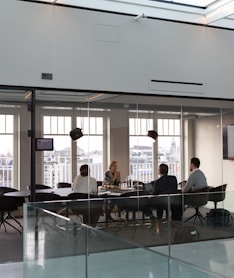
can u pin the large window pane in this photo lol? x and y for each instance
(6, 150)
(90, 146)
(57, 163)
(169, 149)
(141, 149)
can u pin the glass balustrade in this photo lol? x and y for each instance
(129, 244)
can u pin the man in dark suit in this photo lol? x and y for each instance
(166, 184)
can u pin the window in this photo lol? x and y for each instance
(90, 146)
(57, 163)
(169, 145)
(6, 150)
(141, 149)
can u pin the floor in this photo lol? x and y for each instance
(216, 256)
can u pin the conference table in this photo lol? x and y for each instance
(106, 194)
(64, 192)
(110, 197)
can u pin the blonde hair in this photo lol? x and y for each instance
(113, 162)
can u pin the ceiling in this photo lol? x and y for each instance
(216, 13)
(162, 106)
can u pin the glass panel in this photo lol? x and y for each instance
(90, 146)
(66, 248)
(3, 123)
(141, 158)
(57, 163)
(9, 124)
(54, 125)
(141, 149)
(47, 125)
(61, 125)
(169, 152)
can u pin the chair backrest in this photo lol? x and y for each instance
(174, 198)
(77, 196)
(63, 185)
(46, 201)
(19, 201)
(197, 198)
(99, 183)
(42, 197)
(40, 186)
(133, 204)
(148, 188)
(217, 194)
(4, 189)
(7, 203)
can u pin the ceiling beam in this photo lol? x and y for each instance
(220, 12)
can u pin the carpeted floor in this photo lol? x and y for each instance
(149, 233)
(11, 244)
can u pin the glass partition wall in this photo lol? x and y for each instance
(114, 127)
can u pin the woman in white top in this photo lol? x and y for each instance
(84, 183)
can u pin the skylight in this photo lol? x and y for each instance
(192, 3)
(218, 13)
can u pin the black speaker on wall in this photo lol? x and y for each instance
(153, 134)
(76, 133)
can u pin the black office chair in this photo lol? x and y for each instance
(197, 199)
(40, 186)
(138, 184)
(87, 207)
(168, 201)
(217, 194)
(63, 185)
(51, 202)
(99, 183)
(7, 206)
(42, 197)
(133, 202)
(46, 200)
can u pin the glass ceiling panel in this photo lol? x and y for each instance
(208, 12)
(193, 3)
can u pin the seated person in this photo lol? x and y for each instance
(166, 184)
(84, 183)
(112, 176)
(87, 185)
(197, 179)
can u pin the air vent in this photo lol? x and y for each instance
(176, 86)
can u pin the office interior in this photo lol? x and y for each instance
(184, 131)
(82, 64)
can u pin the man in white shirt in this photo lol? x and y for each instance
(84, 183)
(197, 179)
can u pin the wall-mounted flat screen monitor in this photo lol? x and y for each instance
(228, 142)
(44, 144)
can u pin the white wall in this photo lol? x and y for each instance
(119, 146)
(100, 51)
(209, 148)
